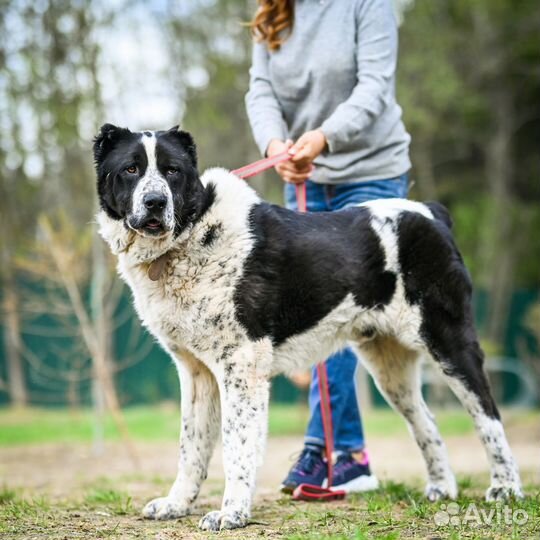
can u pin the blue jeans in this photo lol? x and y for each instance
(341, 367)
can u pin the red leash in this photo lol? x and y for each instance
(306, 492)
(262, 165)
(309, 492)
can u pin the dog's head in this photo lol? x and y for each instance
(148, 179)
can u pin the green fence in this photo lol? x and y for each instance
(150, 376)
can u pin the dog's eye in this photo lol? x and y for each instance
(132, 169)
(171, 171)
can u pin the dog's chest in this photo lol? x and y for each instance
(191, 305)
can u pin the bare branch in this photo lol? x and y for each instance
(63, 261)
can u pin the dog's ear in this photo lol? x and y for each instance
(105, 140)
(186, 140)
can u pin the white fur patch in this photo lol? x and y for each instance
(504, 470)
(390, 208)
(114, 232)
(316, 344)
(385, 230)
(233, 197)
(152, 182)
(149, 143)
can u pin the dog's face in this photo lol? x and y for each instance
(147, 179)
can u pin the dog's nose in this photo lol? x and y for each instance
(155, 201)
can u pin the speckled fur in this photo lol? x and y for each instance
(225, 374)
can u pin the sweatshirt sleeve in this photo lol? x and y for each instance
(376, 56)
(263, 109)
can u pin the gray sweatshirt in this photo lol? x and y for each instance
(336, 71)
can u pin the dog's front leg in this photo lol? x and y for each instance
(200, 429)
(244, 387)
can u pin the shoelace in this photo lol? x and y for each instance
(345, 463)
(308, 461)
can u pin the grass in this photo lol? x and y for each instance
(114, 501)
(161, 423)
(100, 510)
(7, 495)
(395, 512)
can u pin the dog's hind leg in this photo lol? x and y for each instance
(244, 388)
(396, 371)
(200, 429)
(461, 361)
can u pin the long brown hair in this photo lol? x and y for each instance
(273, 22)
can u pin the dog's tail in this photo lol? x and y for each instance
(440, 212)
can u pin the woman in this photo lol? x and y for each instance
(323, 75)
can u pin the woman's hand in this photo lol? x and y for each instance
(308, 147)
(287, 170)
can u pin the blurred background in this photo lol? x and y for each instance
(72, 352)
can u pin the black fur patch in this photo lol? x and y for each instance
(368, 332)
(211, 234)
(303, 266)
(115, 149)
(440, 212)
(436, 279)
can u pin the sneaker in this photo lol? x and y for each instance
(352, 476)
(309, 469)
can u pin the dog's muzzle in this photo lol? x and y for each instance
(153, 218)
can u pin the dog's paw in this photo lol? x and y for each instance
(164, 508)
(218, 521)
(504, 493)
(436, 493)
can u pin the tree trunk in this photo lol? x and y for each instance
(103, 388)
(425, 173)
(12, 338)
(499, 255)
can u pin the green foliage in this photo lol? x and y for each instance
(469, 86)
(453, 57)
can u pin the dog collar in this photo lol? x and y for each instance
(157, 266)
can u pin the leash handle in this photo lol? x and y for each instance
(262, 165)
(307, 492)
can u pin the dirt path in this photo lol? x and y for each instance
(69, 477)
(62, 470)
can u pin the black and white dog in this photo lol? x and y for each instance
(238, 290)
